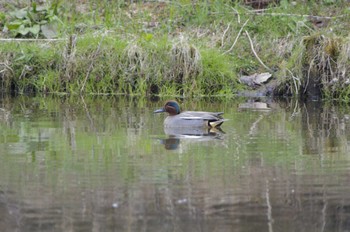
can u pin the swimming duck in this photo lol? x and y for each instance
(176, 118)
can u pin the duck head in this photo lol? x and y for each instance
(171, 107)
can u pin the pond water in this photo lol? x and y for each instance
(107, 164)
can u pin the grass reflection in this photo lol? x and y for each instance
(103, 155)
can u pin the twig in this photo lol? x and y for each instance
(308, 74)
(239, 34)
(92, 63)
(223, 36)
(253, 50)
(295, 84)
(238, 16)
(6, 67)
(261, 12)
(30, 40)
(330, 66)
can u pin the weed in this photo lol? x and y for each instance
(34, 21)
(179, 48)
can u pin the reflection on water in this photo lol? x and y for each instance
(107, 164)
(185, 134)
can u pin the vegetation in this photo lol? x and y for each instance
(33, 21)
(178, 48)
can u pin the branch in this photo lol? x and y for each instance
(223, 36)
(261, 12)
(238, 16)
(30, 40)
(239, 34)
(253, 50)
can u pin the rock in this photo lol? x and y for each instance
(255, 79)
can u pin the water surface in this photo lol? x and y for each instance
(107, 164)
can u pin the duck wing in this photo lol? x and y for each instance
(201, 115)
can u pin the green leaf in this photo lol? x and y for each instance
(49, 30)
(23, 30)
(42, 22)
(14, 25)
(34, 29)
(26, 22)
(21, 14)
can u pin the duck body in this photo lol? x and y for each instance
(194, 119)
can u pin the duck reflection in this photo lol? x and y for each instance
(176, 135)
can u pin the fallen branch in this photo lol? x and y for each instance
(261, 12)
(30, 40)
(239, 34)
(253, 50)
(224, 34)
(238, 16)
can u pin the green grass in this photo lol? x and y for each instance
(181, 48)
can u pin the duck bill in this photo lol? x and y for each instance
(159, 110)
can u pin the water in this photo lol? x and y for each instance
(107, 164)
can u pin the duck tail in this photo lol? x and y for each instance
(216, 123)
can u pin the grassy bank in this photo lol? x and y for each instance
(181, 48)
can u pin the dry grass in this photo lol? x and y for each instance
(327, 59)
(186, 64)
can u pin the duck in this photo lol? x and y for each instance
(194, 119)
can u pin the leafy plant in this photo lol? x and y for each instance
(34, 21)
